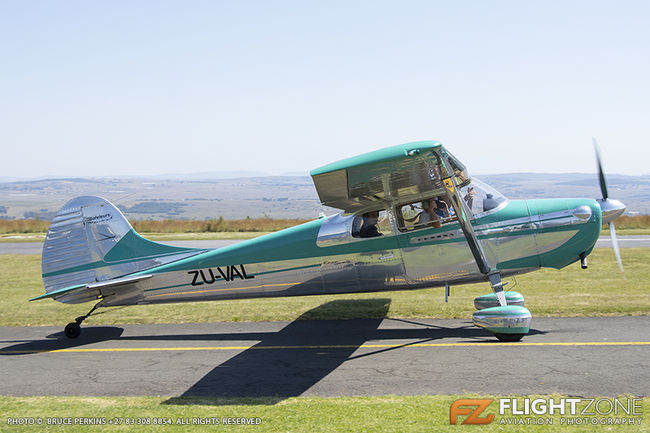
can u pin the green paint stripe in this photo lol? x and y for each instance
(58, 292)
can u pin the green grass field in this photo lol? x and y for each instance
(304, 414)
(599, 291)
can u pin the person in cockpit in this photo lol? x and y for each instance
(469, 197)
(369, 226)
(489, 203)
(430, 214)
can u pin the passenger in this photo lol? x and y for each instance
(356, 226)
(469, 197)
(429, 216)
(489, 203)
(442, 208)
(369, 226)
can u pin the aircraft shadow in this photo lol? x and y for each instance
(285, 363)
(263, 375)
(58, 341)
(276, 374)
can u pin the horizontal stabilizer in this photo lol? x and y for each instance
(93, 290)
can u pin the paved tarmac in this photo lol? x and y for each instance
(37, 247)
(605, 356)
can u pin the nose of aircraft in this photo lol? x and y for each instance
(565, 229)
(610, 209)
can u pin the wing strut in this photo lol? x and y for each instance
(463, 213)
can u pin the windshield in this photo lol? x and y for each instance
(481, 197)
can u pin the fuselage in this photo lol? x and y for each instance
(323, 256)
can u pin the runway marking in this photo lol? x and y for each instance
(332, 346)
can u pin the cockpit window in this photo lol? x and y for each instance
(481, 197)
(371, 224)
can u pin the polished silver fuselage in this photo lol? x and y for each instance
(322, 257)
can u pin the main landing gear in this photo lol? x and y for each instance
(73, 329)
(502, 313)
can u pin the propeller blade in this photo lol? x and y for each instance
(601, 175)
(617, 252)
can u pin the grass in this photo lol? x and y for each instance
(40, 237)
(598, 291)
(217, 225)
(214, 225)
(203, 236)
(627, 222)
(302, 414)
(630, 225)
(626, 232)
(23, 226)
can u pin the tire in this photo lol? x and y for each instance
(72, 330)
(510, 338)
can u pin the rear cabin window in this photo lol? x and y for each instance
(371, 224)
(433, 212)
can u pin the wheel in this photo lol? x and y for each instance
(72, 330)
(511, 338)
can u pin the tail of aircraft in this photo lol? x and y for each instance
(91, 241)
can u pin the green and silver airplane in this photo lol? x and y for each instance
(411, 217)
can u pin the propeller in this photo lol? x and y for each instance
(610, 208)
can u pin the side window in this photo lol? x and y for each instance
(433, 212)
(371, 224)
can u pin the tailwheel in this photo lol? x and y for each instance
(510, 338)
(72, 330)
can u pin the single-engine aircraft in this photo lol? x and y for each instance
(411, 218)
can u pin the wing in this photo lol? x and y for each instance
(397, 173)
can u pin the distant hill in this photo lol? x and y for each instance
(195, 197)
(634, 191)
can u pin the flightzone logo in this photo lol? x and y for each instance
(548, 411)
(464, 407)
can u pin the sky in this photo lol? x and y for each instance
(115, 88)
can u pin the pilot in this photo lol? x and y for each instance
(369, 225)
(430, 214)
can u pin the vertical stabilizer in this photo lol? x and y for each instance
(90, 240)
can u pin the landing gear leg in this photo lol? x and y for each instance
(497, 287)
(73, 329)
